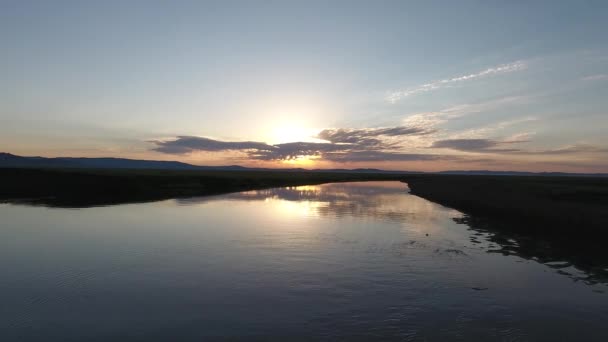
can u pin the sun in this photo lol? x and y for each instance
(282, 134)
(294, 131)
(301, 161)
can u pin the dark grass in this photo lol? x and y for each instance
(83, 188)
(562, 204)
(546, 219)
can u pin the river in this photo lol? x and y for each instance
(342, 261)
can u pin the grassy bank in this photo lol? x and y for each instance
(81, 188)
(543, 204)
(556, 221)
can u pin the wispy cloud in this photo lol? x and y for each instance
(475, 145)
(371, 137)
(435, 122)
(380, 156)
(597, 77)
(572, 149)
(497, 146)
(429, 120)
(500, 69)
(492, 129)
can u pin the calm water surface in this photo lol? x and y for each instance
(350, 261)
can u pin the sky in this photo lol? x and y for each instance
(399, 85)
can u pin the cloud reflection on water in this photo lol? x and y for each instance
(370, 200)
(390, 202)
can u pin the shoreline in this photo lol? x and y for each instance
(77, 188)
(539, 204)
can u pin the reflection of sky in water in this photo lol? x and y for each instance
(389, 201)
(367, 200)
(330, 262)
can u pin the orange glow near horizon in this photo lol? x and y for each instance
(301, 161)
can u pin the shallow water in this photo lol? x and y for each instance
(354, 261)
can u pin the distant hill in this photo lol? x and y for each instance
(519, 173)
(8, 160)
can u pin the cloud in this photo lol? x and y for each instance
(369, 136)
(597, 77)
(430, 120)
(465, 144)
(255, 150)
(378, 156)
(492, 129)
(500, 69)
(366, 145)
(289, 151)
(187, 144)
(493, 146)
(339, 139)
(346, 145)
(435, 122)
(474, 145)
(572, 149)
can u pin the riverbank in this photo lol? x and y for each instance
(570, 205)
(89, 187)
(557, 221)
(542, 204)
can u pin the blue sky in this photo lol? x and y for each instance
(429, 85)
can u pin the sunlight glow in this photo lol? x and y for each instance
(291, 126)
(295, 208)
(301, 161)
(291, 133)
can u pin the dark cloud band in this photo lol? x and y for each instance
(188, 144)
(357, 147)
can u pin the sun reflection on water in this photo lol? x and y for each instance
(375, 200)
